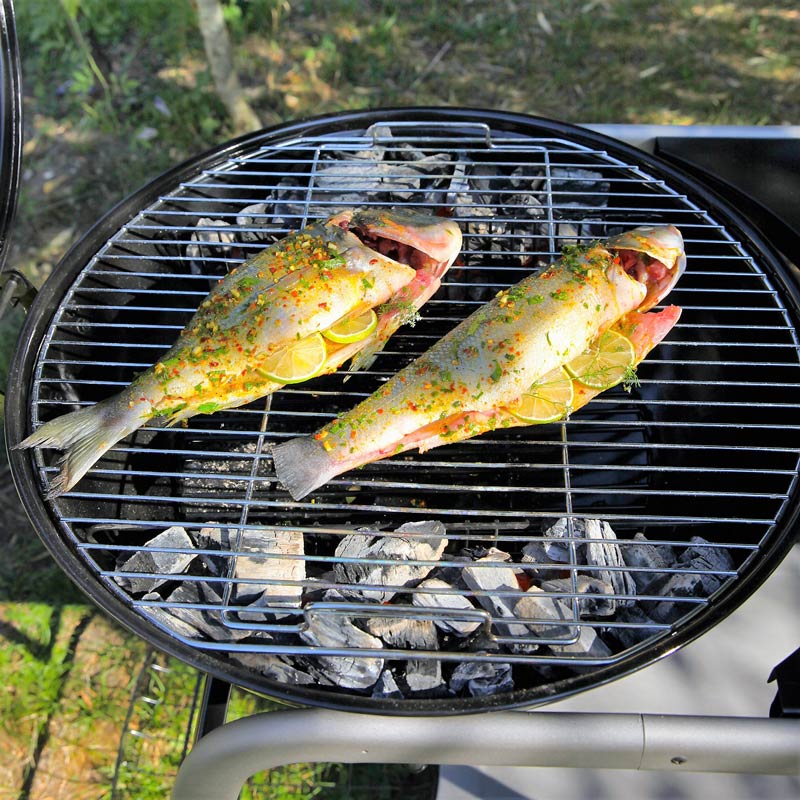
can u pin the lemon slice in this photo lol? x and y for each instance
(547, 400)
(352, 329)
(298, 362)
(605, 363)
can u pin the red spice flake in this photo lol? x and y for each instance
(352, 434)
(412, 406)
(380, 411)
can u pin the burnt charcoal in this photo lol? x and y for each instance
(602, 550)
(499, 593)
(276, 668)
(702, 555)
(607, 553)
(631, 636)
(578, 187)
(486, 553)
(148, 559)
(594, 600)
(424, 676)
(675, 585)
(257, 558)
(549, 613)
(539, 564)
(404, 632)
(210, 625)
(650, 558)
(351, 182)
(167, 619)
(482, 678)
(437, 596)
(589, 644)
(208, 242)
(334, 631)
(539, 606)
(424, 542)
(259, 222)
(386, 687)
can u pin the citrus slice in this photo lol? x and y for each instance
(298, 362)
(605, 363)
(353, 329)
(547, 400)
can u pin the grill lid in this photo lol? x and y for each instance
(10, 124)
(512, 568)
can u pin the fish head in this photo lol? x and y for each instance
(425, 242)
(653, 256)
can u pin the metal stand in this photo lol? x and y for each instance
(223, 760)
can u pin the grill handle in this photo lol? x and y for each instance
(221, 762)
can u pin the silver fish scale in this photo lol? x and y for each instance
(707, 445)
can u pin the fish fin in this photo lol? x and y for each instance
(365, 358)
(302, 465)
(84, 435)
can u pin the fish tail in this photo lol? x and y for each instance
(303, 464)
(84, 436)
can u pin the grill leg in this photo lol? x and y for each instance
(213, 706)
(221, 762)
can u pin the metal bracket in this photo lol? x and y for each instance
(15, 290)
(787, 698)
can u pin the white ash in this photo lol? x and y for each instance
(545, 616)
(260, 555)
(646, 559)
(149, 559)
(482, 678)
(386, 687)
(424, 541)
(441, 595)
(499, 592)
(607, 553)
(334, 631)
(595, 596)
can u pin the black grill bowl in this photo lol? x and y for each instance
(707, 446)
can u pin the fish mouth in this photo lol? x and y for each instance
(652, 255)
(421, 241)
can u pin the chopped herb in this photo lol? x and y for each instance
(630, 379)
(560, 294)
(534, 300)
(497, 372)
(208, 408)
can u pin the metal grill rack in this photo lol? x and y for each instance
(707, 445)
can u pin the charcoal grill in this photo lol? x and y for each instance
(706, 446)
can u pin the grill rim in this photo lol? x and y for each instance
(48, 525)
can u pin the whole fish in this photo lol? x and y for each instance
(471, 380)
(391, 261)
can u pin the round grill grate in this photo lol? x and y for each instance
(706, 446)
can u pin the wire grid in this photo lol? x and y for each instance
(708, 444)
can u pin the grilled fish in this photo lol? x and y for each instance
(391, 261)
(467, 382)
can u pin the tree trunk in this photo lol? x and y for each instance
(220, 59)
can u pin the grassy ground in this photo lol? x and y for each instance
(117, 92)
